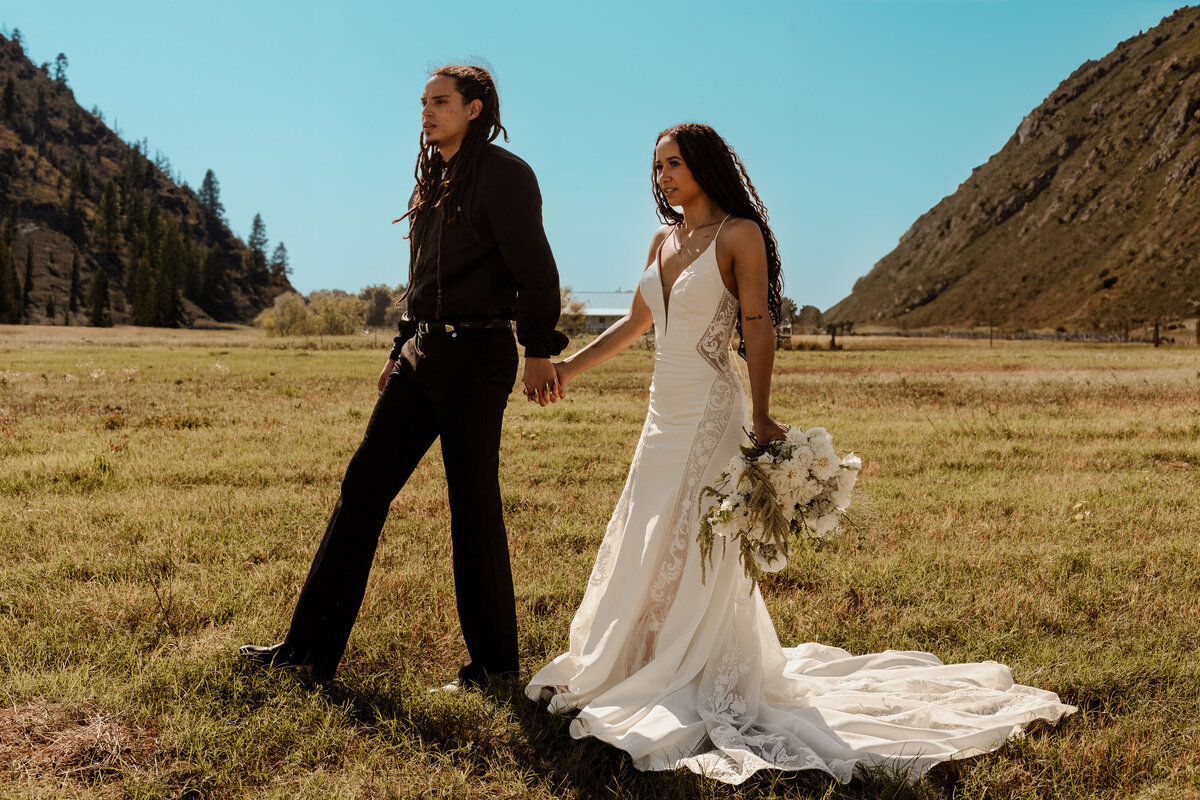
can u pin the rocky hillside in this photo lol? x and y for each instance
(1089, 217)
(76, 201)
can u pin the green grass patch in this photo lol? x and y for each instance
(163, 492)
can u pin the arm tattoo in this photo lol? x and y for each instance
(756, 316)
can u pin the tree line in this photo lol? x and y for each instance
(332, 312)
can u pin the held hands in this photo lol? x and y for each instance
(383, 376)
(564, 376)
(541, 382)
(768, 430)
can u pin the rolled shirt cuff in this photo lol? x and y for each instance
(546, 346)
(407, 329)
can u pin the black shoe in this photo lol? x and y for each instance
(476, 683)
(275, 655)
(473, 677)
(282, 657)
(453, 687)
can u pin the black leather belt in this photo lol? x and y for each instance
(441, 326)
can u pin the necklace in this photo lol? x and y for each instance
(682, 244)
(709, 220)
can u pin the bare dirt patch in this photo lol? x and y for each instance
(42, 741)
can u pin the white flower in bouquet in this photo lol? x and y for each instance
(824, 466)
(825, 525)
(802, 457)
(846, 478)
(804, 492)
(819, 439)
(791, 477)
(768, 557)
(797, 435)
(772, 490)
(734, 472)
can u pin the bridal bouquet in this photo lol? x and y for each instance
(770, 491)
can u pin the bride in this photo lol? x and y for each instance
(681, 670)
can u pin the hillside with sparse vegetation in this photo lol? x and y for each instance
(1088, 218)
(95, 231)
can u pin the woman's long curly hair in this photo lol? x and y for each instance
(453, 190)
(722, 176)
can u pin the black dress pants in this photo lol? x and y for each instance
(456, 388)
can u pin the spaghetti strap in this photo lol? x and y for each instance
(722, 225)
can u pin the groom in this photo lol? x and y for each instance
(478, 260)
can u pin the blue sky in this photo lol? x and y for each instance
(853, 117)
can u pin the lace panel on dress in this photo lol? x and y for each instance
(713, 348)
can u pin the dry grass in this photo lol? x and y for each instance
(162, 493)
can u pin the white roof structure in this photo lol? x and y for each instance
(604, 304)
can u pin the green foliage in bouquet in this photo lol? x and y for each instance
(769, 492)
(761, 507)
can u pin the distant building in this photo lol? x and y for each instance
(601, 309)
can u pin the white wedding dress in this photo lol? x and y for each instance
(684, 672)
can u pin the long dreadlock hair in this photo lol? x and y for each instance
(452, 189)
(722, 176)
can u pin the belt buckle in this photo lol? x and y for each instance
(437, 327)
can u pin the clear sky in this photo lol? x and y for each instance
(853, 117)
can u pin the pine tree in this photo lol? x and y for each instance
(28, 286)
(151, 284)
(97, 301)
(172, 275)
(60, 69)
(41, 115)
(75, 222)
(83, 178)
(258, 248)
(193, 274)
(210, 196)
(214, 277)
(74, 293)
(9, 103)
(279, 261)
(10, 290)
(18, 40)
(10, 225)
(108, 227)
(139, 286)
(50, 308)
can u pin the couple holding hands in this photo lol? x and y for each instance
(676, 668)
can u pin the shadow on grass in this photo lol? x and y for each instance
(500, 723)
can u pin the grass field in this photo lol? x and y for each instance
(162, 494)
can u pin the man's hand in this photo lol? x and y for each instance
(383, 376)
(541, 381)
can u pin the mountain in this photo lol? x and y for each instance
(77, 201)
(1088, 217)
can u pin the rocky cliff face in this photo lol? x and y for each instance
(75, 197)
(1088, 217)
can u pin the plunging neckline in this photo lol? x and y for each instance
(667, 291)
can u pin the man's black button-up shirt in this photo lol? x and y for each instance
(495, 260)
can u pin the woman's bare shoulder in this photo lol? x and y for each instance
(740, 238)
(742, 230)
(656, 241)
